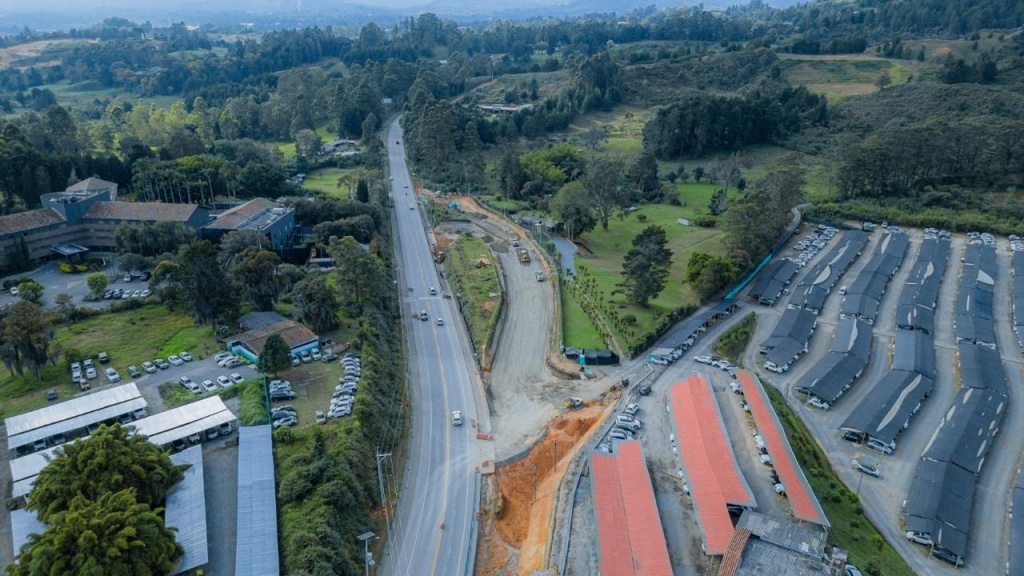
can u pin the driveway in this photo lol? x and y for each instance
(54, 282)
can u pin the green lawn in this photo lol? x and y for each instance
(478, 287)
(851, 530)
(609, 248)
(174, 394)
(325, 181)
(578, 329)
(129, 338)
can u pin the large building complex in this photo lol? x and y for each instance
(87, 215)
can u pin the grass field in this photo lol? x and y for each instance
(851, 530)
(128, 337)
(325, 181)
(609, 248)
(478, 287)
(839, 76)
(578, 329)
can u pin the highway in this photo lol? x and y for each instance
(431, 530)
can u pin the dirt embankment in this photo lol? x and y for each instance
(518, 519)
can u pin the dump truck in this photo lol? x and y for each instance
(524, 255)
(573, 403)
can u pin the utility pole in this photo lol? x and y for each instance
(380, 482)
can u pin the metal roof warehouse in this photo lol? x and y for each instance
(789, 338)
(715, 478)
(916, 308)
(179, 423)
(798, 490)
(73, 415)
(816, 284)
(865, 293)
(256, 544)
(631, 541)
(185, 510)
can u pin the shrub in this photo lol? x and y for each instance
(706, 221)
(641, 217)
(629, 319)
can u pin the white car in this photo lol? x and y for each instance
(457, 418)
(703, 359)
(223, 381)
(209, 386)
(185, 356)
(149, 367)
(236, 378)
(112, 375)
(90, 372)
(175, 359)
(818, 403)
(220, 356)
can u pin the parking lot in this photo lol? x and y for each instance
(883, 499)
(55, 282)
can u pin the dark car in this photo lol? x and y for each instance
(854, 437)
(947, 556)
(644, 390)
(282, 395)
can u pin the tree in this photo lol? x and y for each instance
(236, 242)
(275, 356)
(643, 175)
(109, 460)
(571, 205)
(603, 181)
(97, 282)
(27, 335)
(362, 191)
(698, 173)
(307, 143)
(709, 274)
(129, 262)
(256, 273)
(360, 275)
(316, 303)
(113, 535)
(593, 137)
(30, 290)
(194, 281)
(884, 80)
(65, 306)
(646, 266)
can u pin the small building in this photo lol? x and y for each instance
(274, 222)
(259, 326)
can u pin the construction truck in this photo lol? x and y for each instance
(573, 403)
(524, 256)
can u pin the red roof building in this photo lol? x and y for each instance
(715, 478)
(801, 497)
(631, 542)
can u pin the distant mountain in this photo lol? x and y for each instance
(58, 15)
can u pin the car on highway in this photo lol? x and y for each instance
(149, 367)
(433, 291)
(865, 468)
(440, 321)
(456, 417)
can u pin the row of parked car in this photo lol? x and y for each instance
(715, 362)
(307, 356)
(122, 294)
(224, 429)
(344, 396)
(222, 382)
(812, 244)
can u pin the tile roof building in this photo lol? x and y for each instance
(87, 215)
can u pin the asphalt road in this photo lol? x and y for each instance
(431, 530)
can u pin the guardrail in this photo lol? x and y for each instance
(471, 546)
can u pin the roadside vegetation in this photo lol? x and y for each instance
(474, 278)
(851, 530)
(731, 344)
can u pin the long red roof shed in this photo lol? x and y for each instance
(801, 497)
(715, 478)
(630, 538)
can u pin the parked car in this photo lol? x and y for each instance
(233, 363)
(306, 357)
(195, 438)
(209, 386)
(920, 538)
(947, 556)
(315, 353)
(134, 372)
(149, 367)
(866, 468)
(818, 403)
(296, 361)
(703, 359)
(278, 395)
(178, 445)
(185, 356)
(851, 436)
(289, 421)
(175, 359)
(620, 434)
(220, 356)
(644, 390)
(632, 408)
(320, 417)
(329, 356)
(90, 372)
(112, 375)
(212, 433)
(236, 378)
(223, 381)
(103, 358)
(226, 429)
(161, 363)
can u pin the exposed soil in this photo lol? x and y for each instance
(516, 531)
